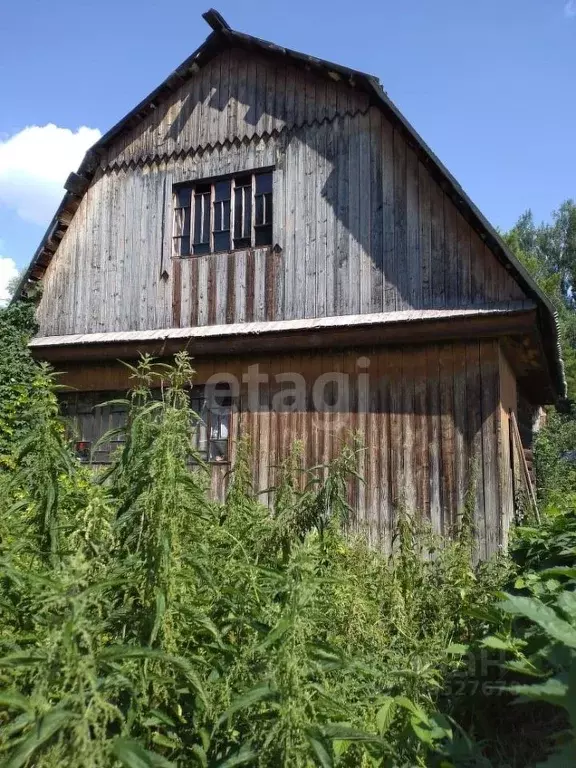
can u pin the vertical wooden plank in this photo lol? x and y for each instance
(409, 428)
(477, 269)
(328, 194)
(463, 260)
(353, 424)
(205, 78)
(490, 413)
(241, 90)
(308, 222)
(80, 272)
(184, 309)
(203, 291)
(314, 418)
(494, 277)
(230, 288)
(222, 97)
(366, 422)
(353, 126)
(176, 292)
(240, 298)
(106, 214)
(132, 267)
(299, 98)
(447, 463)
(93, 226)
(162, 311)
(330, 103)
(390, 269)
(438, 273)
(250, 285)
(508, 406)
(343, 241)
(434, 438)
(400, 216)
(460, 432)
(221, 261)
(425, 218)
(251, 113)
(232, 105)
(421, 469)
(117, 210)
(311, 98)
(319, 190)
(270, 98)
(414, 296)
(260, 284)
(365, 210)
(151, 245)
(386, 512)
(264, 427)
(299, 246)
(290, 97)
(279, 228)
(124, 213)
(271, 282)
(214, 112)
(376, 216)
(476, 463)
(280, 97)
(194, 292)
(342, 99)
(397, 483)
(451, 252)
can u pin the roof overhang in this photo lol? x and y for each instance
(514, 325)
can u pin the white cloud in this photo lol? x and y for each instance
(35, 163)
(8, 272)
(570, 9)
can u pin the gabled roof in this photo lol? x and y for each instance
(223, 37)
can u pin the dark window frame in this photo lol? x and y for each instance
(213, 424)
(210, 218)
(82, 421)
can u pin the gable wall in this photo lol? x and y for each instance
(361, 224)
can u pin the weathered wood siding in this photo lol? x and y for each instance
(429, 417)
(361, 224)
(509, 474)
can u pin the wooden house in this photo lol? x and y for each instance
(277, 216)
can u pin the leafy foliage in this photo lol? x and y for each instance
(143, 624)
(17, 378)
(549, 252)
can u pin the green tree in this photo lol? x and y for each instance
(18, 374)
(548, 251)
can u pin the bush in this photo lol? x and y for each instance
(17, 377)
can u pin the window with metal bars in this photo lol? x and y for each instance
(223, 214)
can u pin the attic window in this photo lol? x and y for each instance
(225, 214)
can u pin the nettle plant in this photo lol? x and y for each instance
(144, 624)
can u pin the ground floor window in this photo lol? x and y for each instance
(91, 415)
(213, 424)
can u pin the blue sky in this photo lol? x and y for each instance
(489, 85)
